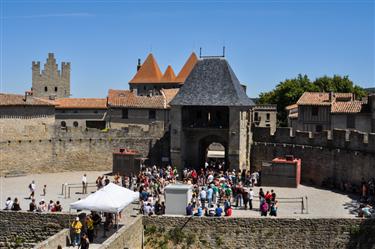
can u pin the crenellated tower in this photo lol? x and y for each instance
(51, 82)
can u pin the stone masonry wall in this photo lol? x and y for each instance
(26, 229)
(270, 233)
(75, 150)
(329, 157)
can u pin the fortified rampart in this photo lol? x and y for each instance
(25, 229)
(332, 157)
(262, 233)
(76, 149)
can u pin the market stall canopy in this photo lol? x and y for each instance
(111, 199)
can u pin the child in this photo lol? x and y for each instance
(44, 190)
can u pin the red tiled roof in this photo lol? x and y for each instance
(186, 69)
(346, 107)
(7, 99)
(81, 103)
(129, 99)
(149, 72)
(169, 75)
(290, 107)
(321, 98)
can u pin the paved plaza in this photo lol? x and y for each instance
(321, 203)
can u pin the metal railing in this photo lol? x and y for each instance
(66, 187)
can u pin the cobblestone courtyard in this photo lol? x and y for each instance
(321, 203)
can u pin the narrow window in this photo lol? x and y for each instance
(63, 124)
(45, 89)
(256, 116)
(55, 88)
(151, 114)
(268, 117)
(125, 113)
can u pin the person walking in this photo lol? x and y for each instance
(32, 188)
(76, 226)
(84, 184)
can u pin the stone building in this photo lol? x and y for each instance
(25, 117)
(316, 111)
(211, 107)
(126, 108)
(51, 82)
(265, 115)
(81, 112)
(149, 79)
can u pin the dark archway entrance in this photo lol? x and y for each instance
(203, 148)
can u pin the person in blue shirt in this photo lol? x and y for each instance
(189, 209)
(199, 212)
(210, 193)
(218, 211)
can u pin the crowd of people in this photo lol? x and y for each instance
(34, 206)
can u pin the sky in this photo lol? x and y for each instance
(266, 41)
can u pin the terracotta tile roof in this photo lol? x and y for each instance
(347, 107)
(290, 107)
(7, 99)
(149, 72)
(169, 94)
(81, 103)
(186, 69)
(129, 99)
(169, 75)
(321, 98)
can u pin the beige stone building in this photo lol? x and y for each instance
(265, 115)
(81, 112)
(24, 117)
(316, 111)
(51, 82)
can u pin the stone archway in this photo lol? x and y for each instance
(204, 144)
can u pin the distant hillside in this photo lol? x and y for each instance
(370, 89)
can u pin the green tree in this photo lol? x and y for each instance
(289, 91)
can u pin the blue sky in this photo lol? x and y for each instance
(266, 41)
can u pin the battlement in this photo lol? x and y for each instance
(336, 139)
(51, 81)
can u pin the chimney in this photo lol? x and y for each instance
(330, 96)
(139, 65)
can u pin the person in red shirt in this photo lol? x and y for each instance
(228, 212)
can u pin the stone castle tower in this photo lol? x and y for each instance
(51, 82)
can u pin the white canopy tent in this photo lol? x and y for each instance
(111, 199)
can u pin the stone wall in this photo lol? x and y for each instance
(23, 127)
(77, 149)
(128, 237)
(267, 232)
(336, 157)
(26, 229)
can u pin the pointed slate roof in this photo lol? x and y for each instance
(169, 75)
(149, 72)
(212, 82)
(186, 69)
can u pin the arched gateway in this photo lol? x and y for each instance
(211, 106)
